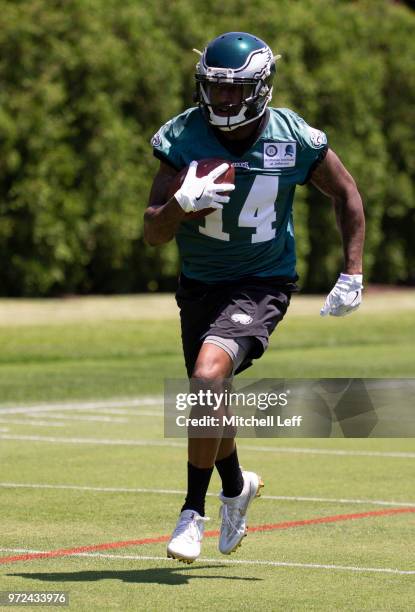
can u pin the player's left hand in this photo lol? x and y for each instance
(345, 297)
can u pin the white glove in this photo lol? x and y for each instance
(345, 297)
(198, 193)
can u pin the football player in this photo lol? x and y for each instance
(238, 263)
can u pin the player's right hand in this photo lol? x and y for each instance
(197, 193)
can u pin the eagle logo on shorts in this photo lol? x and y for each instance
(240, 317)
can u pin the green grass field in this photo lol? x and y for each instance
(83, 462)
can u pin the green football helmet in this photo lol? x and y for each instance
(235, 59)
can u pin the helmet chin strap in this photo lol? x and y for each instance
(230, 127)
(224, 123)
(239, 120)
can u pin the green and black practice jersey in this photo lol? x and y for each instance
(253, 234)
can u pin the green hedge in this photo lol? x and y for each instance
(84, 84)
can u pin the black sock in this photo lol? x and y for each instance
(231, 475)
(197, 485)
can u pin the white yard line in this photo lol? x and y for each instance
(14, 485)
(32, 423)
(330, 500)
(49, 410)
(97, 416)
(79, 417)
(330, 451)
(344, 568)
(135, 413)
(98, 441)
(87, 405)
(168, 443)
(50, 414)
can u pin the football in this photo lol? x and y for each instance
(204, 166)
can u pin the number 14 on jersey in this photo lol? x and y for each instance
(257, 212)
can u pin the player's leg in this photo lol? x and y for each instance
(239, 487)
(227, 462)
(216, 362)
(261, 307)
(213, 366)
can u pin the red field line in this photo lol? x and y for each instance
(62, 552)
(331, 519)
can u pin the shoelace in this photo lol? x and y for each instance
(191, 526)
(228, 512)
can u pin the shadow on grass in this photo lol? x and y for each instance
(157, 575)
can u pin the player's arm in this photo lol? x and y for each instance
(162, 216)
(332, 179)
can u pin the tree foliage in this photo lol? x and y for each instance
(84, 85)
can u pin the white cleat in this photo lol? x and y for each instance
(185, 543)
(233, 511)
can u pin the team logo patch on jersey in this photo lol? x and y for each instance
(240, 317)
(317, 137)
(279, 154)
(156, 140)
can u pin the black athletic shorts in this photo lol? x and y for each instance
(247, 307)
